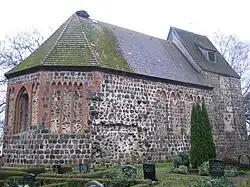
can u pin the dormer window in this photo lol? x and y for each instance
(211, 56)
(208, 54)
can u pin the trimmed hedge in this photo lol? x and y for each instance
(63, 184)
(97, 174)
(5, 174)
(72, 182)
(35, 171)
(13, 179)
(80, 182)
(142, 185)
(2, 182)
(65, 169)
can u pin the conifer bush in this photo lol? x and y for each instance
(208, 136)
(202, 144)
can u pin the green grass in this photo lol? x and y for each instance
(163, 174)
(177, 180)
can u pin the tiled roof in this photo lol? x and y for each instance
(83, 42)
(191, 41)
(153, 56)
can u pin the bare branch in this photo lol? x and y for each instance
(13, 50)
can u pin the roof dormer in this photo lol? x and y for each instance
(209, 54)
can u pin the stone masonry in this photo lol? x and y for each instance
(103, 117)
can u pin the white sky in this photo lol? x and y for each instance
(150, 17)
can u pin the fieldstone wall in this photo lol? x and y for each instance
(228, 118)
(108, 118)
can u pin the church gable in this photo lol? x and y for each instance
(200, 52)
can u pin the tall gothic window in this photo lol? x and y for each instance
(22, 112)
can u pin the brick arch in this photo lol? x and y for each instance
(178, 96)
(172, 95)
(53, 83)
(203, 100)
(37, 84)
(191, 98)
(75, 84)
(198, 99)
(33, 86)
(22, 107)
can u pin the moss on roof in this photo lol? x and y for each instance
(77, 42)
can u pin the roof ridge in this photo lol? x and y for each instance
(188, 31)
(131, 30)
(92, 51)
(55, 44)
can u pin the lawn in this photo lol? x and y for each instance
(168, 179)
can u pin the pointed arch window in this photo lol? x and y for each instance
(22, 112)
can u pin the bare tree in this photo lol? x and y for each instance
(17, 48)
(237, 54)
(13, 50)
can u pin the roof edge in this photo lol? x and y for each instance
(104, 70)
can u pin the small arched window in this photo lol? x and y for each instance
(22, 112)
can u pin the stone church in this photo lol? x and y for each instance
(95, 92)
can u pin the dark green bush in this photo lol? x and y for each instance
(202, 144)
(185, 158)
(129, 171)
(207, 133)
(63, 184)
(198, 147)
(181, 169)
(204, 169)
(176, 160)
(180, 158)
(118, 179)
(241, 172)
(5, 174)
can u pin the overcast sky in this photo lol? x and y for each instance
(153, 17)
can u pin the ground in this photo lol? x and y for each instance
(163, 173)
